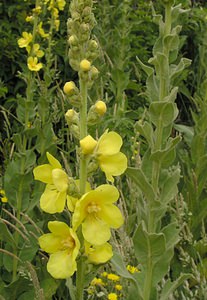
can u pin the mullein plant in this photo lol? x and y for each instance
(84, 239)
(31, 118)
(156, 175)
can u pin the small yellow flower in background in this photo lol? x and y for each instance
(3, 196)
(33, 65)
(37, 10)
(100, 107)
(61, 4)
(118, 287)
(112, 296)
(98, 254)
(97, 281)
(29, 19)
(57, 24)
(54, 197)
(55, 12)
(104, 274)
(41, 31)
(25, 40)
(132, 269)
(88, 145)
(85, 65)
(113, 277)
(97, 214)
(37, 51)
(111, 161)
(63, 246)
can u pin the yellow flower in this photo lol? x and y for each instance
(88, 144)
(97, 281)
(113, 277)
(37, 51)
(57, 24)
(33, 65)
(61, 4)
(97, 214)
(112, 296)
(54, 197)
(104, 274)
(63, 246)
(41, 31)
(37, 10)
(29, 19)
(111, 161)
(25, 40)
(69, 88)
(118, 287)
(98, 254)
(3, 196)
(132, 269)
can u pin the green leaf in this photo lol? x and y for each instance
(148, 70)
(170, 287)
(146, 131)
(169, 189)
(164, 112)
(148, 246)
(187, 131)
(171, 232)
(142, 182)
(175, 70)
(5, 235)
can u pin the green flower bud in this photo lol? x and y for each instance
(74, 129)
(70, 88)
(73, 40)
(92, 45)
(72, 117)
(94, 73)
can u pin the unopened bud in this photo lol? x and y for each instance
(69, 88)
(94, 73)
(71, 117)
(73, 40)
(100, 107)
(88, 144)
(85, 65)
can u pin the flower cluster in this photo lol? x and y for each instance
(28, 39)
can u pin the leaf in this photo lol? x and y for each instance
(142, 182)
(169, 189)
(170, 287)
(146, 131)
(171, 232)
(177, 69)
(148, 246)
(164, 112)
(5, 235)
(187, 131)
(148, 70)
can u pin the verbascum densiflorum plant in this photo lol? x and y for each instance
(29, 39)
(85, 240)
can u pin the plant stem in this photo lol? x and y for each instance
(83, 133)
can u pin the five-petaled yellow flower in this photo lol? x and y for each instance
(25, 40)
(33, 65)
(97, 214)
(63, 246)
(54, 197)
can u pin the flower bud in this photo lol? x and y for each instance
(85, 65)
(74, 129)
(100, 107)
(71, 117)
(94, 73)
(69, 88)
(73, 40)
(92, 45)
(88, 144)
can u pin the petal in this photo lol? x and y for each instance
(50, 243)
(106, 194)
(43, 173)
(71, 202)
(61, 265)
(77, 244)
(53, 161)
(100, 254)
(114, 165)
(60, 180)
(59, 228)
(111, 215)
(109, 143)
(52, 201)
(95, 231)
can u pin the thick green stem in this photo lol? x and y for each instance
(83, 133)
(80, 279)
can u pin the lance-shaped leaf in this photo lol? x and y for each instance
(165, 112)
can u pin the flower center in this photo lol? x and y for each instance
(68, 243)
(93, 208)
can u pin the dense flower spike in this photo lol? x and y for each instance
(54, 197)
(63, 246)
(97, 214)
